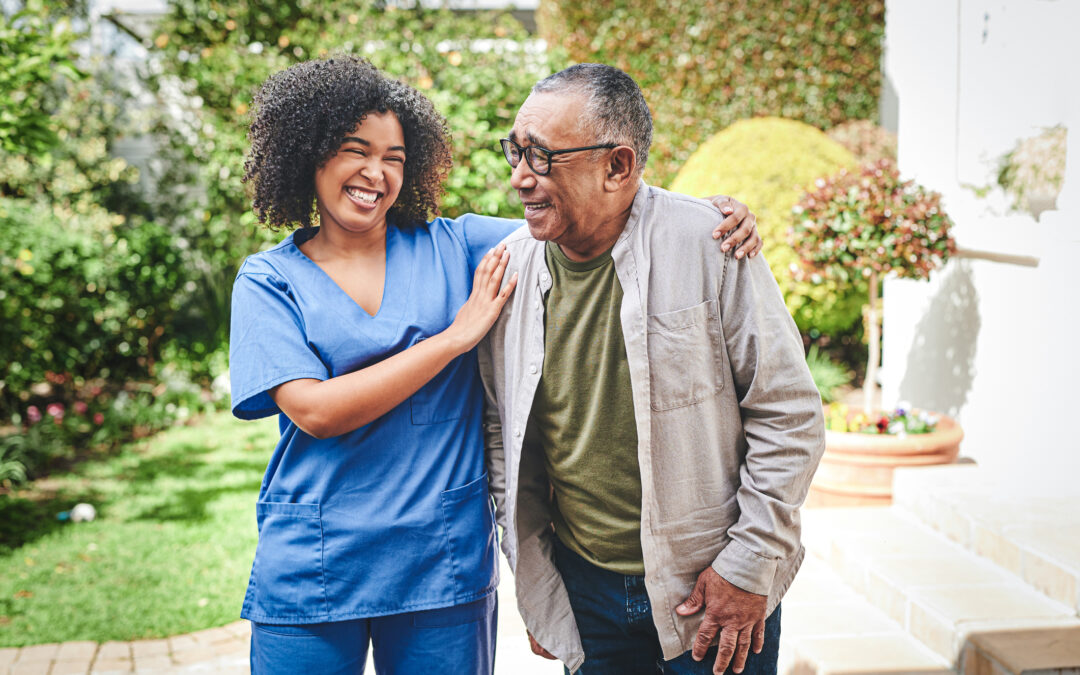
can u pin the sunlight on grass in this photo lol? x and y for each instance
(169, 552)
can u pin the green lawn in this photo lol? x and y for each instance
(169, 552)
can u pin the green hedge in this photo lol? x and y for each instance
(704, 65)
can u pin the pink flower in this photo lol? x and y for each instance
(55, 410)
(80, 407)
(33, 414)
(98, 418)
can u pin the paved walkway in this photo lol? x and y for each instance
(225, 650)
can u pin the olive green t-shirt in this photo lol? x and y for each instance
(583, 415)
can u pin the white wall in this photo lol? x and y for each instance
(996, 344)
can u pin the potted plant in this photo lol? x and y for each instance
(865, 225)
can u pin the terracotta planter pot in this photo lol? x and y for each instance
(857, 469)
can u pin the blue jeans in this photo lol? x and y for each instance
(614, 618)
(447, 641)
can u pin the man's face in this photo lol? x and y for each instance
(562, 205)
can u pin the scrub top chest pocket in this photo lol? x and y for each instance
(443, 399)
(686, 356)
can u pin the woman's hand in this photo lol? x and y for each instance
(737, 214)
(479, 312)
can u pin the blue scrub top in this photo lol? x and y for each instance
(394, 516)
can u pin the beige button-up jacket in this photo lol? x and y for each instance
(729, 423)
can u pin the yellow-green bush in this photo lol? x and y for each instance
(767, 163)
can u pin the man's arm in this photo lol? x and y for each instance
(785, 436)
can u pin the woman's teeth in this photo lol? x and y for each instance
(362, 195)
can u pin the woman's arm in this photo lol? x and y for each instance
(333, 407)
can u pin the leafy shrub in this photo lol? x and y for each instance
(69, 417)
(81, 293)
(858, 227)
(829, 376)
(866, 140)
(767, 163)
(32, 54)
(704, 65)
(1032, 174)
(855, 225)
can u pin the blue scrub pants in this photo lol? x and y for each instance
(455, 640)
(614, 618)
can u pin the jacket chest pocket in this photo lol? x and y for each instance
(686, 356)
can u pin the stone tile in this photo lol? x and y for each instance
(1035, 649)
(866, 654)
(234, 646)
(995, 547)
(933, 630)
(959, 568)
(8, 657)
(815, 583)
(152, 663)
(72, 651)
(239, 628)
(212, 635)
(110, 666)
(887, 597)
(1051, 579)
(193, 654)
(180, 643)
(115, 650)
(71, 667)
(36, 653)
(999, 601)
(834, 619)
(976, 662)
(1058, 543)
(31, 668)
(145, 648)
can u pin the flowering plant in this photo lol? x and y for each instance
(865, 225)
(900, 422)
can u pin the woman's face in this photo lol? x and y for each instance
(360, 183)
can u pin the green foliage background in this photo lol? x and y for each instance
(704, 65)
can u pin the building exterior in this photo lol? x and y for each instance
(991, 338)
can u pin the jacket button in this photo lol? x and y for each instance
(517, 432)
(532, 370)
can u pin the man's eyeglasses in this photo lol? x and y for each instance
(539, 159)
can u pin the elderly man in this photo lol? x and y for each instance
(652, 427)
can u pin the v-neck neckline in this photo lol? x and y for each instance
(388, 251)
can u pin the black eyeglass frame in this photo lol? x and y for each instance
(527, 153)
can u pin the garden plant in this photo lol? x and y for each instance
(860, 226)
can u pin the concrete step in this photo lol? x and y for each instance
(828, 629)
(939, 593)
(1030, 533)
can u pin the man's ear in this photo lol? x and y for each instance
(621, 168)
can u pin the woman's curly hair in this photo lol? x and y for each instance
(301, 115)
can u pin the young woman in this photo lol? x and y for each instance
(375, 524)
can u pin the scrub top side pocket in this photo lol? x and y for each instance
(287, 578)
(470, 531)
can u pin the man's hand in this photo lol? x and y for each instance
(737, 214)
(538, 650)
(740, 617)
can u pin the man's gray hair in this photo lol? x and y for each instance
(615, 110)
